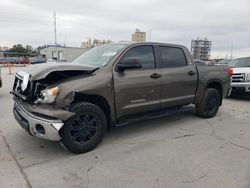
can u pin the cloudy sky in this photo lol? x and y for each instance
(225, 22)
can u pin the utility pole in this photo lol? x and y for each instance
(55, 26)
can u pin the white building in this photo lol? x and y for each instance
(91, 43)
(139, 36)
(62, 53)
(4, 48)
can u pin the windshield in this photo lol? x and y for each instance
(99, 56)
(241, 62)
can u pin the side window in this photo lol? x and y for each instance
(144, 53)
(172, 57)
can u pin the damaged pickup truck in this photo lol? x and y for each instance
(113, 84)
(0, 78)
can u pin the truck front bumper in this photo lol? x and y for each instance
(40, 126)
(242, 87)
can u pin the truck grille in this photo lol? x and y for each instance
(238, 77)
(17, 88)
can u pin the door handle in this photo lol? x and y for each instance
(191, 73)
(155, 76)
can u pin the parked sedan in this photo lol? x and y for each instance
(38, 61)
(24, 62)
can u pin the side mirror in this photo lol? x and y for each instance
(130, 63)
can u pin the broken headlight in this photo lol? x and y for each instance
(48, 95)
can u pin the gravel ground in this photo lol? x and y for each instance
(182, 150)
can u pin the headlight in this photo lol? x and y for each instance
(248, 78)
(48, 95)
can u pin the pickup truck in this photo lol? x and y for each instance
(113, 84)
(241, 75)
(0, 79)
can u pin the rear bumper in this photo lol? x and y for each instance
(243, 87)
(45, 128)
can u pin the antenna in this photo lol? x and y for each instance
(55, 26)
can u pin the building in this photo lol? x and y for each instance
(4, 48)
(1, 54)
(139, 36)
(201, 48)
(91, 43)
(62, 53)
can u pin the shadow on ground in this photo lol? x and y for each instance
(240, 96)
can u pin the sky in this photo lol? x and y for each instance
(225, 22)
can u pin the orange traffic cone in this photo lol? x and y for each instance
(9, 69)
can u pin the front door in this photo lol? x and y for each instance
(138, 90)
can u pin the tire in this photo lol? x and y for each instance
(85, 130)
(210, 103)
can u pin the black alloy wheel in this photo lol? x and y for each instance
(84, 127)
(85, 130)
(210, 103)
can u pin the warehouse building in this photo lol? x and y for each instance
(62, 53)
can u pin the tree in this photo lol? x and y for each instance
(28, 49)
(18, 48)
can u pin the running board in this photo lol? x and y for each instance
(152, 115)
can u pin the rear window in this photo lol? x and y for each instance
(172, 57)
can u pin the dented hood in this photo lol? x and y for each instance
(40, 71)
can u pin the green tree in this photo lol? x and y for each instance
(18, 48)
(29, 49)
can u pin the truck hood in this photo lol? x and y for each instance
(245, 70)
(40, 71)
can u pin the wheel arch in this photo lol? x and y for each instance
(99, 101)
(218, 86)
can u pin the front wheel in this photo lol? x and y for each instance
(210, 103)
(85, 130)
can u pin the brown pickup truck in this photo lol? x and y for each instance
(0, 79)
(114, 84)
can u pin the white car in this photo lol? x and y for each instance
(241, 74)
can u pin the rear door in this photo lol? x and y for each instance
(179, 78)
(138, 90)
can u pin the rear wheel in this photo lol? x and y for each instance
(210, 103)
(85, 130)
